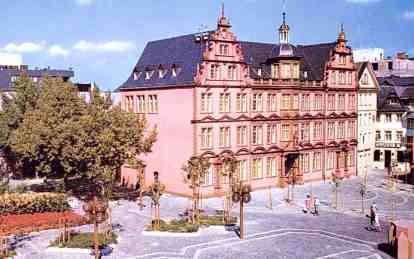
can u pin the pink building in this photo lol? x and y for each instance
(280, 109)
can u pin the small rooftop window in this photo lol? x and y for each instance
(162, 72)
(148, 74)
(175, 70)
(137, 75)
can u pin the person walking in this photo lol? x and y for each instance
(306, 209)
(377, 223)
(373, 213)
(316, 206)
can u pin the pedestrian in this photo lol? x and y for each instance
(316, 206)
(373, 212)
(377, 223)
(307, 204)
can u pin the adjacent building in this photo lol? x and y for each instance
(280, 109)
(400, 65)
(10, 73)
(367, 111)
(393, 141)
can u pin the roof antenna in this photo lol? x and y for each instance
(284, 6)
(222, 8)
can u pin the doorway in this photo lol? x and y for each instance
(387, 160)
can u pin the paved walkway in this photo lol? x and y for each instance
(282, 231)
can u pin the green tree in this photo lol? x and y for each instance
(228, 169)
(195, 170)
(66, 137)
(12, 112)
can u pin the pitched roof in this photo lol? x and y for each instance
(396, 81)
(386, 93)
(185, 53)
(6, 75)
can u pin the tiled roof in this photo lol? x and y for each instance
(384, 94)
(7, 74)
(185, 52)
(396, 80)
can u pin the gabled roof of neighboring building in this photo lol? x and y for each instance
(362, 66)
(185, 53)
(6, 75)
(396, 81)
(386, 93)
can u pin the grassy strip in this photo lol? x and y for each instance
(10, 253)
(84, 240)
(184, 226)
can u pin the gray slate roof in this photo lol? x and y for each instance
(185, 52)
(7, 74)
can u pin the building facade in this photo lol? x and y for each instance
(11, 72)
(400, 65)
(390, 130)
(367, 112)
(280, 109)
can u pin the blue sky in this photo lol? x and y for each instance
(102, 39)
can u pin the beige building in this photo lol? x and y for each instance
(367, 110)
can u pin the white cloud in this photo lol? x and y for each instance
(57, 50)
(409, 15)
(111, 46)
(25, 47)
(84, 2)
(363, 1)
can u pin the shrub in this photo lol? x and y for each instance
(32, 203)
(176, 226)
(85, 240)
(10, 253)
(215, 220)
(21, 188)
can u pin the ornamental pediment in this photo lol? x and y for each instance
(259, 150)
(243, 151)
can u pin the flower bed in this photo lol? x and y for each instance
(85, 240)
(27, 223)
(27, 203)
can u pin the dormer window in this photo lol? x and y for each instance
(162, 72)
(137, 74)
(175, 70)
(14, 78)
(259, 72)
(148, 74)
(224, 49)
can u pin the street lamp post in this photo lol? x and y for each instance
(96, 211)
(241, 193)
(363, 190)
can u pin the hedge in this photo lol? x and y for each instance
(29, 203)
